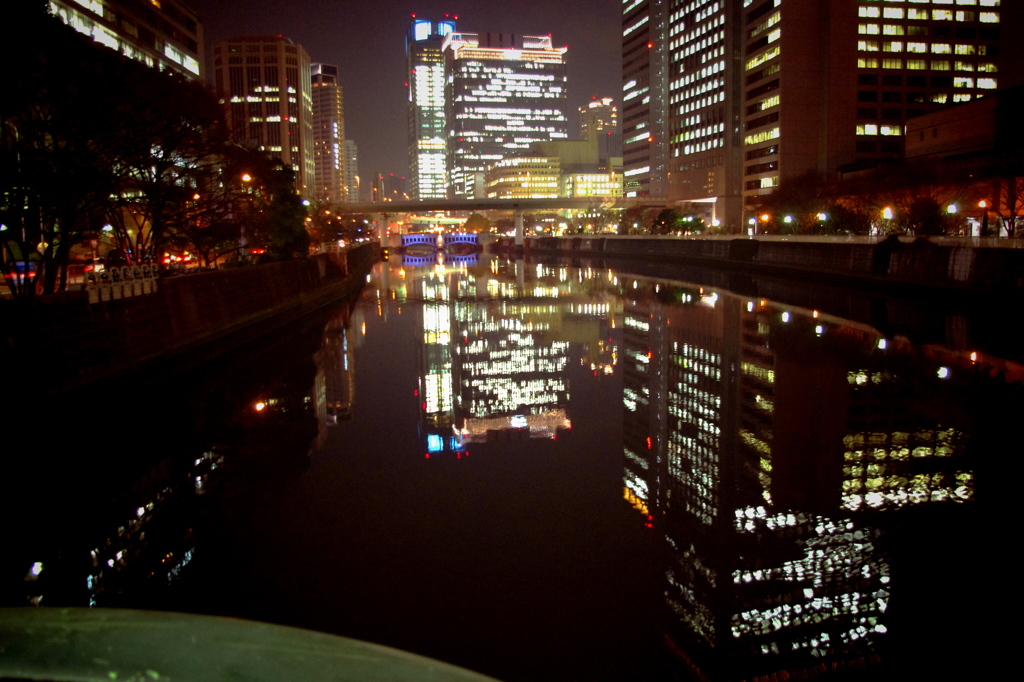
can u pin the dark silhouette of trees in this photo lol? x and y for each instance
(98, 146)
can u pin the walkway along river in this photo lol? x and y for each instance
(554, 471)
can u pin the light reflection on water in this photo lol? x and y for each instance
(550, 472)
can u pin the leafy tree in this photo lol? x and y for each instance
(478, 223)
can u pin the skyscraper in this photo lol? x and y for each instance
(352, 171)
(427, 125)
(600, 118)
(759, 91)
(704, 135)
(166, 35)
(328, 134)
(829, 87)
(645, 48)
(264, 83)
(503, 93)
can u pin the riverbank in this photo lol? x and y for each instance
(965, 265)
(63, 342)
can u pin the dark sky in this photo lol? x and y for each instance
(367, 41)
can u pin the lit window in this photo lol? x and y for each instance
(867, 45)
(942, 15)
(987, 83)
(892, 63)
(867, 11)
(893, 13)
(867, 29)
(963, 66)
(965, 49)
(939, 98)
(940, 48)
(892, 46)
(940, 65)
(867, 63)
(867, 129)
(892, 30)
(989, 17)
(916, 64)
(917, 14)
(965, 16)
(917, 47)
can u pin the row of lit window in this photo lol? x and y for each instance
(936, 15)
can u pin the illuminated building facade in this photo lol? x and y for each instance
(503, 93)
(705, 95)
(600, 118)
(352, 183)
(829, 87)
(328, 134)
(645, 52)
(525, 177)
(724, 99)
(265, 86)
(428, 129)
(165, 35)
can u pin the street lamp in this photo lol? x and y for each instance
(983, 205)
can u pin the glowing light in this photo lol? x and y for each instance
(952, 208)
(887, 213)
(260, 406)
(785, 317)
(943, 372)
(37, 568)
(882, 344)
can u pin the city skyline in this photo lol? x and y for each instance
(371, 55)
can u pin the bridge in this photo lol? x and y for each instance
(517, 206)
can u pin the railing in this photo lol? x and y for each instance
(121, 282)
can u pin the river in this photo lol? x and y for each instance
(553, 471)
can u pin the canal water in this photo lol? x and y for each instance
(556, 471)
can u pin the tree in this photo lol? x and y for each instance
(477, 223)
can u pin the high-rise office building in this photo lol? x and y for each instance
(503, 93)
(600, 119)
(428, 130)
(830, 86)
(645, 50)
(352, 171)
(704, 123)
(166, 35)
(328, 134)
(264, 83)
(759, 91)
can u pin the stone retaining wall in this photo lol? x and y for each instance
(60, 342)
(906, 262)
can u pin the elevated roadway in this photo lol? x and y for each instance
(517, 206)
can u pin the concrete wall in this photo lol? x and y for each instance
(892, 262)
(60, 342)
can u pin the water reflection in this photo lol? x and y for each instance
(772, 448)
(668, 481)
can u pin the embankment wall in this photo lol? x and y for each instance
(887, 263)
(62, 342)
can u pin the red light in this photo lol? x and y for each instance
(427, 455)
(649, 525)
(650, 45)
(424, 406)
(648, 442)
(416, 392)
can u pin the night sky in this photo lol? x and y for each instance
(367, 42)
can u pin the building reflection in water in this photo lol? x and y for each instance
(495, 353)
(767, 446)
(145, 519)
